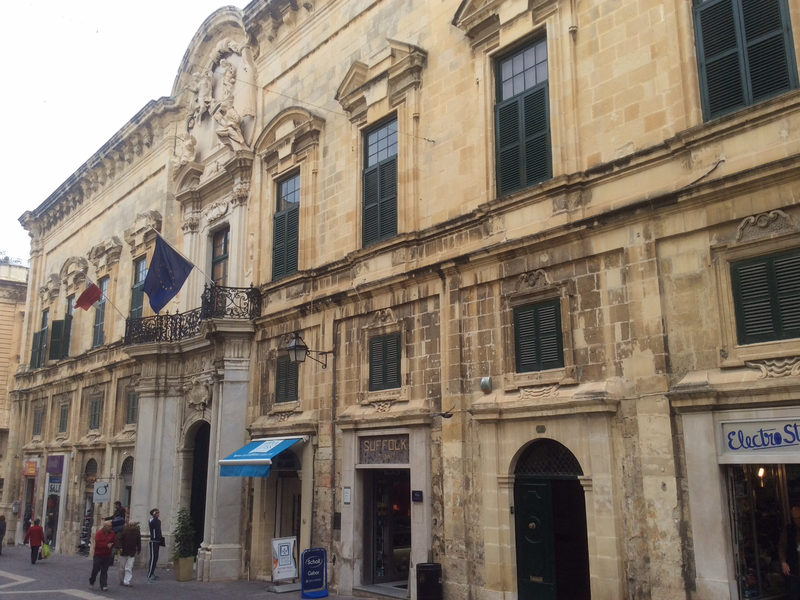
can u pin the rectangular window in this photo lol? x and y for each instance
(133, 408)
(537, 337)
(384, 362)
(38, 418)
(95, 411)
(744, 51)
(766, 296)
(522, 119)
(100, 315)
(68, 326)
(286, 229)
(43, 340)
(219, 257)
(380, 183)
(286, 378)
(137, 291)
(63, 421)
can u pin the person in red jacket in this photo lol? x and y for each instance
(35, 536)
(104, 542)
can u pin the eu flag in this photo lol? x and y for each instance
(165, 277)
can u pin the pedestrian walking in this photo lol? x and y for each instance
(130, 544)
(35, 536)
(104, 542)
(156, 542)
(2, 531)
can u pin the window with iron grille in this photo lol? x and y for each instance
(380, 183)
(286, 228)
(384, 362)
(100, 315)
(286, 379)
(137, 291)
(522, 119)
(219, 257)
(95, 412)
(766, 295)
(63, 421)
(745, 53)
(537, 337)
(38, 418)
(133, 408)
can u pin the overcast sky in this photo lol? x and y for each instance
(75, 73)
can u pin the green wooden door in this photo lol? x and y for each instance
(536, 570)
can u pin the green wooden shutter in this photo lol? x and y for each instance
(719, 54)
(137, 301)
(538, 339)
(385, 353)
(392, 354)
(387, 181)
(291, 383)
(509, 147)
(768, 38)
(286, 380)
(787, 283)
(371, 227)
(537, 136)
(292, 240)
(67, 336)
(376, 364)
(755, 318)
(36, 350)
(56, 340)
(279, 246)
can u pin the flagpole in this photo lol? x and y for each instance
(182, 254)
(104, 296)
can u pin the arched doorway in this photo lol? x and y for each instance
(127, 479)
(550, 524)
(197, 503)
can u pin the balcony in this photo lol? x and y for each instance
(217, 302)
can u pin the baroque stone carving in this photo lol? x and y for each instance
(191, 224)
(201, 88)
(185, 152)
(106, 253)
(50, 290)
(537, 393)
(137, 234)
(240, 193)
(779, 367)
(230, 125)
(198, 394)
(216, 210)
(532, 281)
(765, 225)
(383, 317)
(228, 78)
(382, 406)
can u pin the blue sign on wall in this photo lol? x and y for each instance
(314, 573)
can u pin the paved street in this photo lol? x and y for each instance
(68, 576)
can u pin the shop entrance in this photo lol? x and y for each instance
(388, 510)
(197, 503)
(550, 525)
(760, 498)
(51, 518)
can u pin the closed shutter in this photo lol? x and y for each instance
(787, 282)
(67, 336)
(384, 362)
(371, 225)
(292, 240)
(35, 350)
(57, 340)
(523, 140)
(768, 36)
(286, 379)
(538, 338)
(279, 246)
(137, 301)
(380, 202)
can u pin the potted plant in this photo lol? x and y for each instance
(183, 552)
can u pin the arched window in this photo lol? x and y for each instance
(127, 466)
(548, 458)
(91, 467)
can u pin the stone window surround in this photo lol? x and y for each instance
(373, 330)
(563, 376)
(731, 353)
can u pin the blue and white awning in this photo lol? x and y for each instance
(254, 460)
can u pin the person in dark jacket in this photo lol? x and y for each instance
(130, 544)
(2, 531)
(156, 541)
(104, 542)
(118, 518)
(35, 536)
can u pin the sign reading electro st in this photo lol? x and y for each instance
(757, 439)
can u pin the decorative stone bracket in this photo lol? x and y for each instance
(105, 254)
(138, 235)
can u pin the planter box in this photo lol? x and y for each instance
(184, 569)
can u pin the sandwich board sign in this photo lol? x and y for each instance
(314, 575)
(284, 564)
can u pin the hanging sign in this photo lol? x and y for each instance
(102, 492)
(314, 575)
(284, 564)
(29, 470)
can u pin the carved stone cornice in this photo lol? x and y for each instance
(290, 133)
(105, 254)
(138, 235)
(50, 290)
(73, 273)
(778, 367)
(765, 225)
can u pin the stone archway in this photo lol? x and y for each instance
(195, 475)
(552, 548)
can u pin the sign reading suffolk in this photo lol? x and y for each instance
(383, 450)
(759, 437)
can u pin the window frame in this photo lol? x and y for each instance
(63, 418)
(287, 373)
(137, 289)
(381, 171)
(536, 308)
(95, 413)
(286, 220)
(38, 421)
(132, 408)
(386, 381)
(222, 258)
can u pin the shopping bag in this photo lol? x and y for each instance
(45, 551)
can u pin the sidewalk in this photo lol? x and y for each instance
(68, 577)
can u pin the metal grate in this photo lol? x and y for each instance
(127, 466)
(548, 457)
(91, 467)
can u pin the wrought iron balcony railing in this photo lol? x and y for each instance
(217, 303)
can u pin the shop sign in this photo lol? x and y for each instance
(284, 564)
(774, 435)
(314, 578)
(383, 450)
(102, 492)
(29, 470)
(54, 486)
(55, 464)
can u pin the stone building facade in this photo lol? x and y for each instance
(544, 255)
